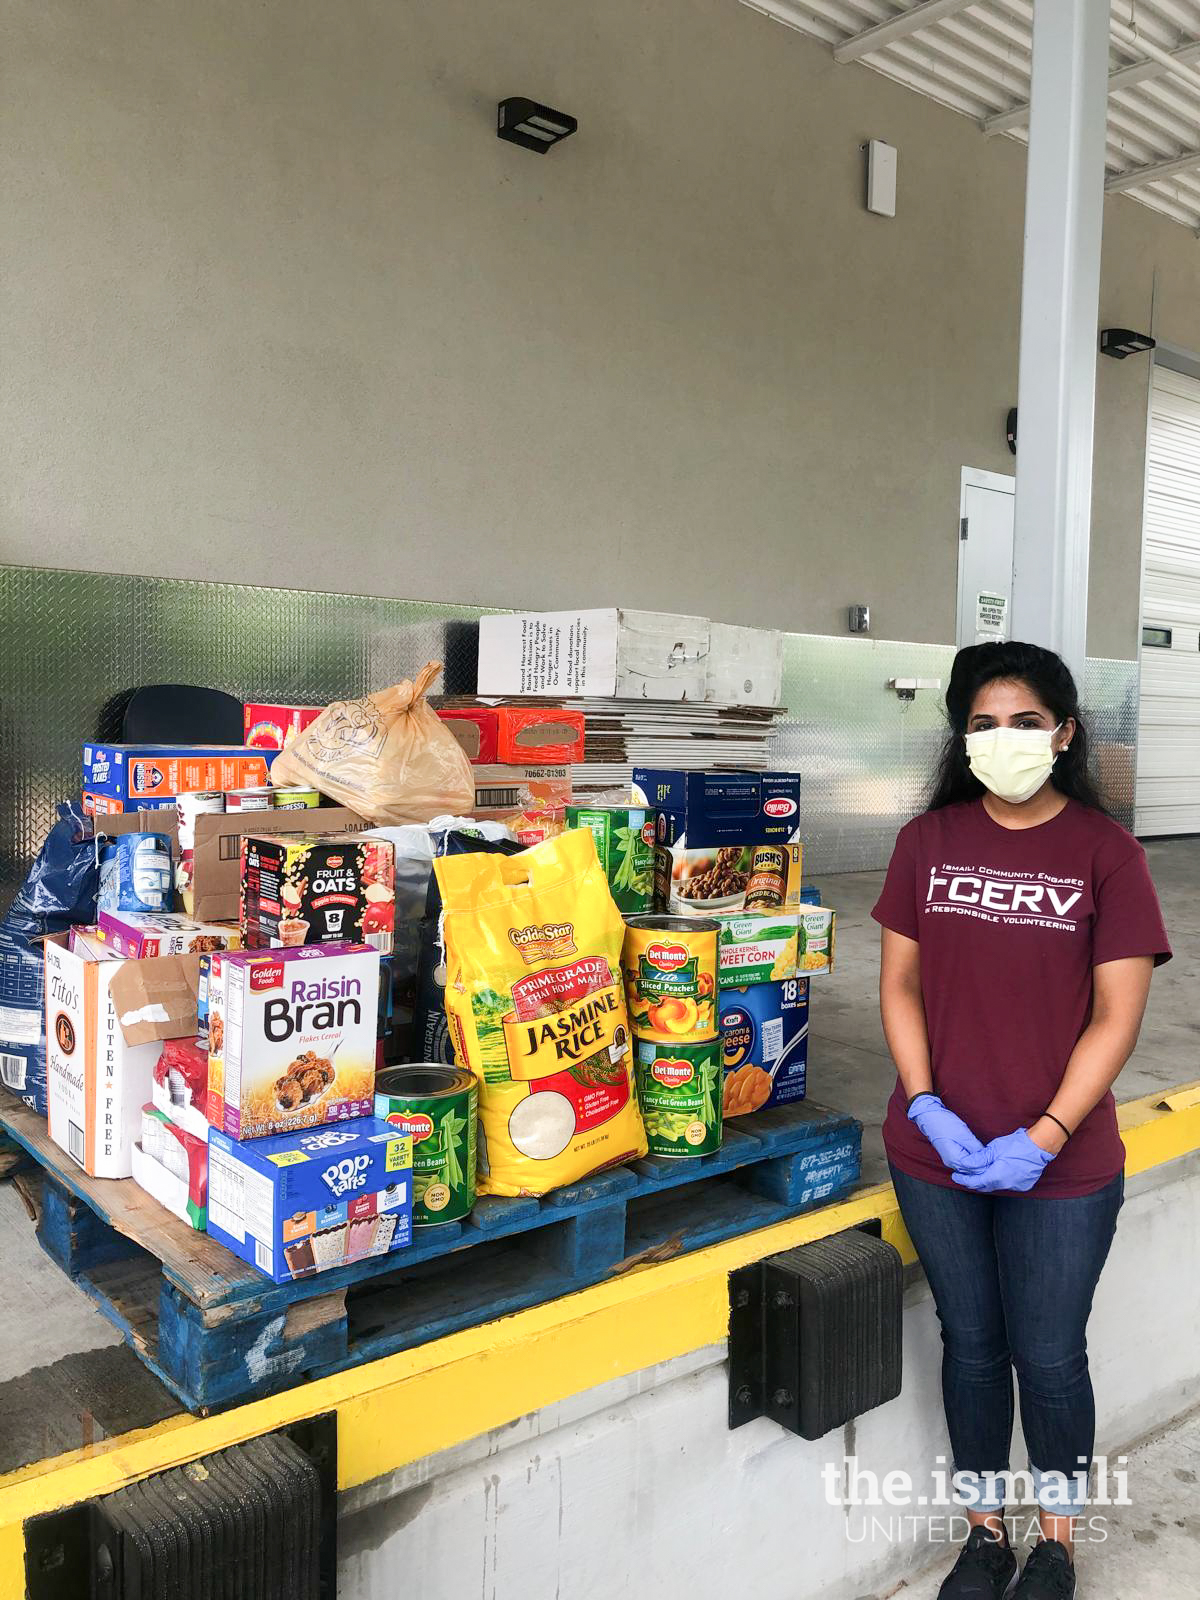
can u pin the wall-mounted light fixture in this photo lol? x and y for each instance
(534, 126)
(1122, 342)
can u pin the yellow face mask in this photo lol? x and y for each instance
(1013, 763)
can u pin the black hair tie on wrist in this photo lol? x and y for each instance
(1062, 1125)
(932, 1093)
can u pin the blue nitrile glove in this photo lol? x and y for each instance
(949, 1135)
(1014, 1161)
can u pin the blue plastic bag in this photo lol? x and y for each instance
(59, 891)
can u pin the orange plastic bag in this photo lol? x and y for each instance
(388, 756)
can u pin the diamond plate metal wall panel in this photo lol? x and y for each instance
(867, 757)
(76, 643)
(864, 754)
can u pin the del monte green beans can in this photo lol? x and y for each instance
(624, 838)
(438, 1108)
(679, 1090)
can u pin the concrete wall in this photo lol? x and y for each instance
(281, 308)
(638, 1487)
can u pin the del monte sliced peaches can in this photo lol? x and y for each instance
(670, 966)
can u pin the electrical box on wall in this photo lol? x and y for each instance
(881, 178)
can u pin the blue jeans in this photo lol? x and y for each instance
(1012, 1279)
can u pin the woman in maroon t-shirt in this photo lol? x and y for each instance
(1020, 929)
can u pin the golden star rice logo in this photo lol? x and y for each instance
(543, 941)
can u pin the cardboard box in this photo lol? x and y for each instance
(105, 1021)
(216, 890)
(727, 841)
(311, 1201)
(297, 889)
(132, 773)
(180, 1087)
(517, 735)
(756, 949)
(818, 940)
(103, 805)
(295, 1044)
(172, 1165)
(270, 727)
(635, 655)
(141, 934)
(764, 1045)
(745, 666)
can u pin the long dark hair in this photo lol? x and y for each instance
(1049, 677)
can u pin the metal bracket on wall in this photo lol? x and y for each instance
(815, 1333)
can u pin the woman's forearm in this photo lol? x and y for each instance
(908, 1039)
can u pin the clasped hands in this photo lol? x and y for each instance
(1012, 1161)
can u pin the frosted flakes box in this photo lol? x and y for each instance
(291, 1037)
(310, 1201)
(137, 773)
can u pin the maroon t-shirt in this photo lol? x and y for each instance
(1010, 923)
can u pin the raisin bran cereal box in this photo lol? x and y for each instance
(291, 1038)
(309, 889)
(308, 1202)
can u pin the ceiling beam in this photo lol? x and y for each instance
(1122, 78)
(885, 33)
(1136, 176)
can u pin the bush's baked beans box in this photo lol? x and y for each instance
(764, 1045)
(291, 1036)
(727, 841)
(136, 774)
(307, 1202)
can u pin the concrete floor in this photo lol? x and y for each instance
(66, 1379)
(1150, 1548)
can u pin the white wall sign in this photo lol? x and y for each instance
(991, 617)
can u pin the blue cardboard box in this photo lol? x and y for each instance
(727, 841)
(764, 1031)
(305, 1202)
(138, 776)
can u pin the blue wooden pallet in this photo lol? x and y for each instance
(217, 1332)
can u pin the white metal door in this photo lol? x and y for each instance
(985, 556)
(1168, 757)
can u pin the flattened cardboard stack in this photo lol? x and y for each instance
(673, 734)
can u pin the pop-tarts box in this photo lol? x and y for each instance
(727, 841)
(764, 1045)
(136, 774)
(301, 1203)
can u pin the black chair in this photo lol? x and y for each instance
(179, 713)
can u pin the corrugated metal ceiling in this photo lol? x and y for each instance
(975, 58)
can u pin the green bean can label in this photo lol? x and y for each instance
(624, 838)
(438, 1109)
(679, 1090)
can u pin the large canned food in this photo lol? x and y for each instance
(679, 1091)
(294, 797)
(624, 838)
(670, 966)
(438, 1108)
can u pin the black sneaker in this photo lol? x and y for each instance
(986, 1569)
(1048, 1574)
